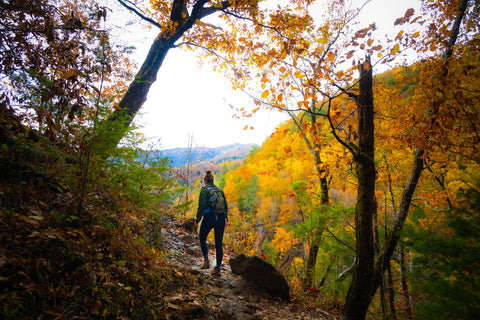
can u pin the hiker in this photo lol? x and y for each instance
(212, 210)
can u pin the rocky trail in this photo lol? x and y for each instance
(229, 297)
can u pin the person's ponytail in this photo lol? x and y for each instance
(208, 177)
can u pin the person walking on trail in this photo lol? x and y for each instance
(212, 211)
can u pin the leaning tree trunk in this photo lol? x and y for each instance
(394, 233)
(138, 90)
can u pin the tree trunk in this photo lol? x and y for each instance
(313, 253)
(356, 307)
(311, 262)
(324, 192)
(383, 300)
(403, 273)
(383, 259)
(324, 199)
(392, 313)
(327, 271)
(360, 290)
(138, 90)
(367, 273)
(403, 277)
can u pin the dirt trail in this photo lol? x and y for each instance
(227, 297)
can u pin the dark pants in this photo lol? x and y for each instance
(217, 223)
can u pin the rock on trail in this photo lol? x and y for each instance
(235, 295)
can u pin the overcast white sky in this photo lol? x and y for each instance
(188, 100)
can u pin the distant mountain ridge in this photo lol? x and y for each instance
(214, 156)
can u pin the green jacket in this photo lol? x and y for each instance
(203, 202)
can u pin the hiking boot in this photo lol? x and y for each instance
(216, 272)
(205, 265)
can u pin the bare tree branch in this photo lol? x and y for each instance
(340, 241)
(199, 11)
(454, 33)
(350, 146)
(132, 7)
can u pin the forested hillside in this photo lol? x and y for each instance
(277, 213)
(190, 164)
(367, 201)
(180, 157)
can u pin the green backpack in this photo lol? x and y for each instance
(216, 200)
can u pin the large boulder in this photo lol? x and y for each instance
(188, 224)
(262, 273)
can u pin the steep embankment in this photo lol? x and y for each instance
(56, 265)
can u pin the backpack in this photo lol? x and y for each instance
(216, 200)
